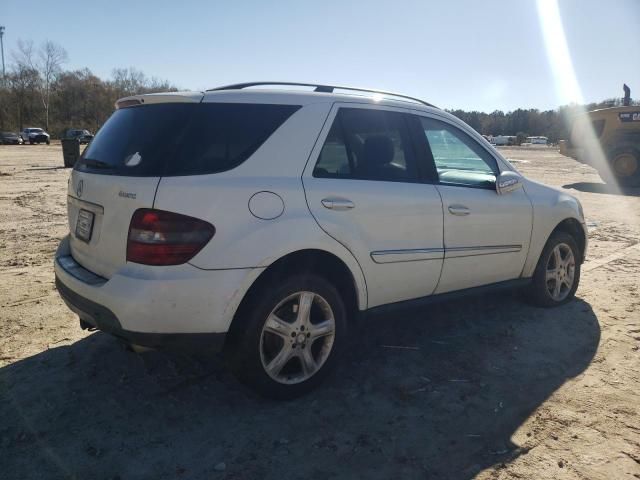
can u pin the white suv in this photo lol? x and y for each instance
(262, 221)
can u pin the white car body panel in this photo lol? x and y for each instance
(394, 230)
(242, 240)
(487, 245)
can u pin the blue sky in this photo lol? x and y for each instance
(482, 55)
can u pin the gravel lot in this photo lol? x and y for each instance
(490, 388)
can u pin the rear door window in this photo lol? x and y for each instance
(367, 144)
(173, 139)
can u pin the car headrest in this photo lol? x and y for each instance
(378, 150)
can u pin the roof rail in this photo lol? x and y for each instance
(319, 88)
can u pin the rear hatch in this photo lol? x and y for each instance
(147, 138)
(118, 173)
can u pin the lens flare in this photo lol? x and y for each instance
(587, 148)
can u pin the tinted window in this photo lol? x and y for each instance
(173, 139)
(367, 144)
(458, 158)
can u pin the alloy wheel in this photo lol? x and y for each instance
(560, 272)
(297, 337)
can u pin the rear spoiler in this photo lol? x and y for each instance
(151, 98)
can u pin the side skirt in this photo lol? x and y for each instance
(444, 297)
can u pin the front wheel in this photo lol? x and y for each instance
(557, 274)
(291, 336)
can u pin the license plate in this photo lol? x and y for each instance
(84, 225)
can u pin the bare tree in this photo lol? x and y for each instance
(50, 58)
(128, 81)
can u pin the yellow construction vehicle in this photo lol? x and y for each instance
(608, 139)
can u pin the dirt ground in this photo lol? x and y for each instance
(490, 388)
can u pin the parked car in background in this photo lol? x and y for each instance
(35, 135)
(265, 231)
(10, 138)
(504, 140)
(537, 140)
(83, 136)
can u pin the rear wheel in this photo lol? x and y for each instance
(557, 274)
(291, 336)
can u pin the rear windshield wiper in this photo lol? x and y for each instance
(90, 162)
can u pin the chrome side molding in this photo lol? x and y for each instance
(420, 254)
(456, 252)
(392, 256)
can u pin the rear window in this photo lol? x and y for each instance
(173, 139)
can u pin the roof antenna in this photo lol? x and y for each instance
(626, 101)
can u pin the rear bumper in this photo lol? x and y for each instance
(155, 306)
(97, 316)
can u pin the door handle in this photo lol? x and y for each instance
(337, 203)
(460, 210)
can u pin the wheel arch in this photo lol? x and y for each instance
(322, 262)
(542, 231)
(574, 228)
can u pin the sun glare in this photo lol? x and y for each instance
(566, 82)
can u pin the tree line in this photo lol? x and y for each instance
(39, 92)
(521, 123)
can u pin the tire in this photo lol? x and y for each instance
(257, 353)
(30, 142)
(625, 166)
(48, 142)
(543, 289)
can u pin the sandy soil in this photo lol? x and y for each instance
(491, 388)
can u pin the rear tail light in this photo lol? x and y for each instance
(157, 237)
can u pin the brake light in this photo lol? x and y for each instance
(157, 237)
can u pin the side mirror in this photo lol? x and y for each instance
(508, 182)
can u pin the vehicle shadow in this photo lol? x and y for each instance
(591, 187)
(445, 405)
